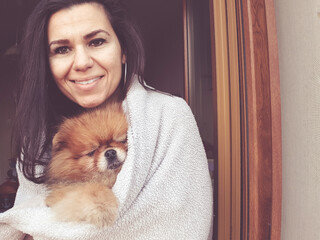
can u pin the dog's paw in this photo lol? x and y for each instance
(103, 216)
(101, 208)
(91, 203)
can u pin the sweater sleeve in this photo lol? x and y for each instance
(8, 232)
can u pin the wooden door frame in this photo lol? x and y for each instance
(263, 111)
(260, 119)
(227, 83)
(246, 85)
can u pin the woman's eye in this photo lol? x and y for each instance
(96, 42)
(90, 154)
(62, 50)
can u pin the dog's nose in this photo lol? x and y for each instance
(111, 155)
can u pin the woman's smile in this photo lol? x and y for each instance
(86, 85)
(86, 82)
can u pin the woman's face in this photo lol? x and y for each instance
(84, 54)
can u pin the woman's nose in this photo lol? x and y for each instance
(82, 59)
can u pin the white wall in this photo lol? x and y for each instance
(298, 26)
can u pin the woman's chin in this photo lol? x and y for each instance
(95, 100)
(89, 104)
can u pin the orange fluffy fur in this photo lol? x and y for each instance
(87, 154)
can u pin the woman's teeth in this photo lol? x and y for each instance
(87, 82)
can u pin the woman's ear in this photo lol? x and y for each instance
(124, 59)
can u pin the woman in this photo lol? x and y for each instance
(88, 51)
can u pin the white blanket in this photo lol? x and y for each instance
(164, 188)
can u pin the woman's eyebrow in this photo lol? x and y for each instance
(60, 41)
(93, 33)
(87, 36)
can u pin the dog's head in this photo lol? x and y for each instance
(88, 146)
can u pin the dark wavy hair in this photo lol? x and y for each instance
(39, 103)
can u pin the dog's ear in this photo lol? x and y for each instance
(58, 142)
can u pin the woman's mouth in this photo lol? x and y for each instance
(86, 82)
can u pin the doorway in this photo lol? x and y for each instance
(162, 34)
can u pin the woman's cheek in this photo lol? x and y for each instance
(60, 67)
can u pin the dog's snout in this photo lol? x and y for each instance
(114, 158)
(111, 155)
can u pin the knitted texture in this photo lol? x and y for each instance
(164, 187)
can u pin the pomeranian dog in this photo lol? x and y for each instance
(87, 154)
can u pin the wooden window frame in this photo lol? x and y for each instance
(246, 85)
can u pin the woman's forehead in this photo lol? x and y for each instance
(79, 19)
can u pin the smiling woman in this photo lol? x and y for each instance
(85, 54)
(78, 56)
(71, 51)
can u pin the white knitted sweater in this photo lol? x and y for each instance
(164, 188)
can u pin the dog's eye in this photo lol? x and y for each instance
(90, 154)
(120, 139)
